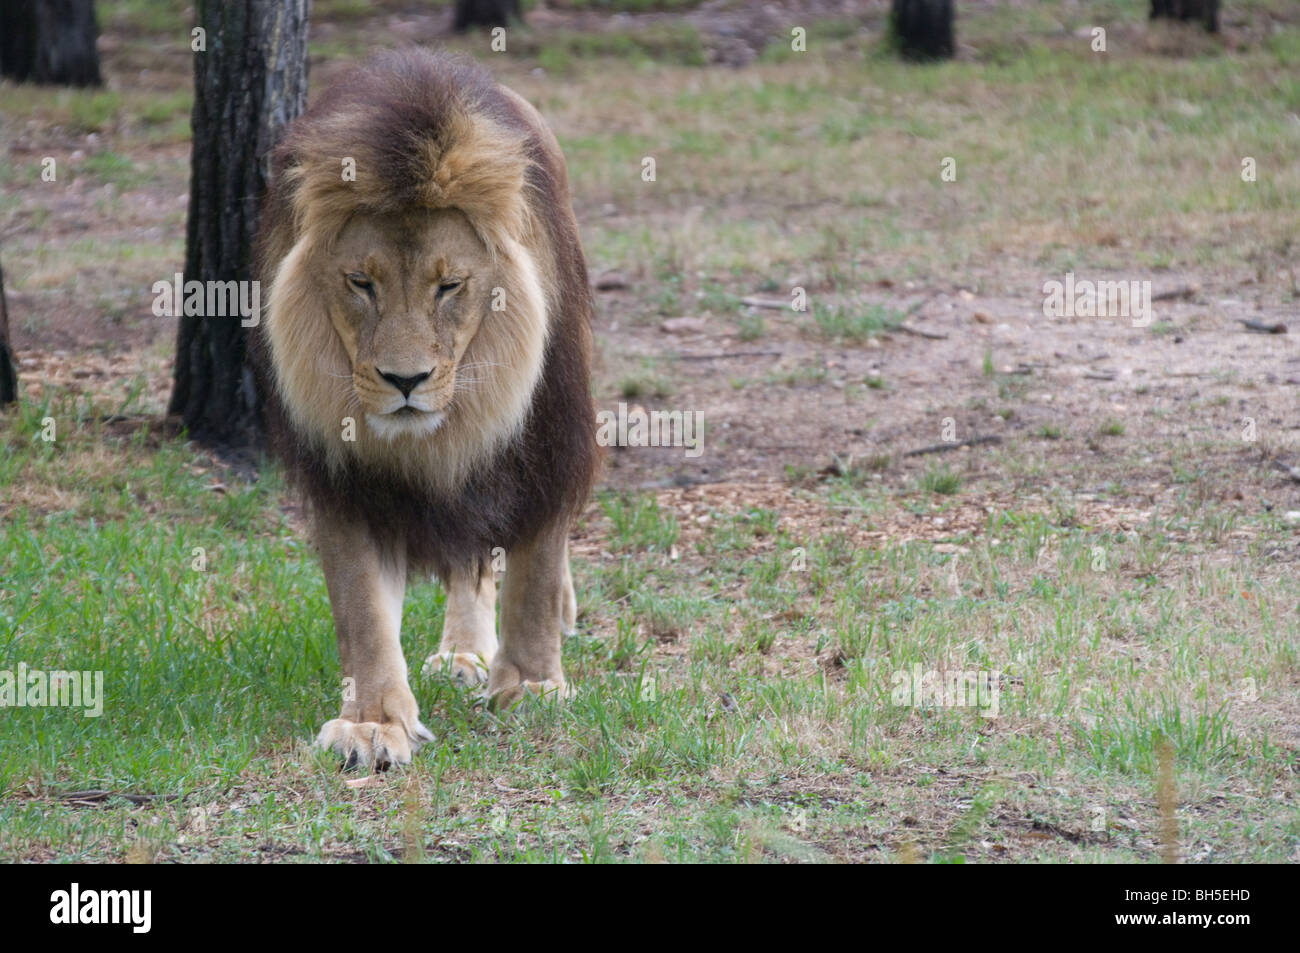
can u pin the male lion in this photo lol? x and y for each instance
(426, 355)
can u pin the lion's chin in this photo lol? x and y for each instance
(406, 422)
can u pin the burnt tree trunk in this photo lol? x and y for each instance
(8, 378)
(922, 29)
(248, 85)
(49, 41)
(485, 13)
(1204, 11)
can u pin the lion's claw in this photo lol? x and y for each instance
(372, 744)
(464, 668)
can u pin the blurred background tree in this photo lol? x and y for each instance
(49, 41)
(250, 81)
(485, 13)
(922, 29)
(8, 379)
(1205, 11)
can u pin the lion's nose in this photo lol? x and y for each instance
(405, 384)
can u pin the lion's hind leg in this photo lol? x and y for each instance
(569, 601)
(528, 664)
(469, 640)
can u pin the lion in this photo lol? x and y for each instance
(425, 356)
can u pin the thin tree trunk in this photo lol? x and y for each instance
(8, 378)
(1204, 11)
(485, 13)
(248, 85)
(49, 41)
(922, 29)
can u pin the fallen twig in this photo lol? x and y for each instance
(931, 335)
(774, 304)
(726, 355)
(1261, 327)
(1184, 293)
(953, 445)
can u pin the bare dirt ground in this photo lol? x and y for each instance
(1071, 370)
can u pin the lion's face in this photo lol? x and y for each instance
(406, 295)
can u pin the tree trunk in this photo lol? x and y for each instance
(485, 13)
(922, 29)
(8, 378)
(248, 85)
(1206, 11)
(49, 41)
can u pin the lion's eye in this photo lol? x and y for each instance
(359, 281)
(448, 287)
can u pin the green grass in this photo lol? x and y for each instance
(644, 383)
(940, 480)
(563, 52)
(854, 322)
(636, 522)
(1054, 146)
(751, 327)
(111, 168)
(697, 733)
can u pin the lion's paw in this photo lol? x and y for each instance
(528, 692)
(372, 744)
(464, 668)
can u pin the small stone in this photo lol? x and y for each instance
(684, 326)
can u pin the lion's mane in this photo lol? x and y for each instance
(433, 131)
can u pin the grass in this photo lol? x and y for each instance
(646, 382)
(111, 168)
(854, 323)
(1145, 140)
(751, 327)
(697, 735)
(562, 52)
(940, 480)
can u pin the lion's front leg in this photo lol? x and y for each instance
(532, 620)
(380, 721)
(469, 628)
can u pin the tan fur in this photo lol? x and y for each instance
(311, 362)
(379, 722)
(376, 281)
(469, 630)
(533, 589)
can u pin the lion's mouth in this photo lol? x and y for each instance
(406, 421)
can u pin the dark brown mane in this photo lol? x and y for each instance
(548, 470)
